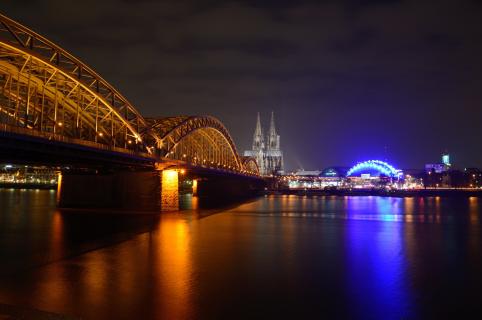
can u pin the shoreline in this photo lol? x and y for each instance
(33, 186)
(380, 192)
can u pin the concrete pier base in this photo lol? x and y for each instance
(169, 190)
(156, 190)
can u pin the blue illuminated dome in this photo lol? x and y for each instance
(374, 166)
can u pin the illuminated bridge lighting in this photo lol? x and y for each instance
(48, 93)
(377, 165)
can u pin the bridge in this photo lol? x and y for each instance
(56, 110)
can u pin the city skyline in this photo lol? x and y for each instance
(340, 78)
(204, 159)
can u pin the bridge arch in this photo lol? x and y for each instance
(250, 165)
(47, 90)
(377, 165)
(201, 140)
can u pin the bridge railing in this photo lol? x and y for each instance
(59, 138)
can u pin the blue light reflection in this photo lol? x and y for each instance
(376, 260)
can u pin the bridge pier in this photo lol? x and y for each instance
(153, 191)
(169, 190)
(140, 191)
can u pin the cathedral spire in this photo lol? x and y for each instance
(272, 128)
(258, 141)
(273, 138)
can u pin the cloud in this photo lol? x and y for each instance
(332, 70)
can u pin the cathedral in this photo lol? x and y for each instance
(268, 155)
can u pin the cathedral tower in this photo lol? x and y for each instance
(269, 157)
(258, 139)
(273, 138)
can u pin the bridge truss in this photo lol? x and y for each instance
(46, 92)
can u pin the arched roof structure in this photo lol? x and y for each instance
(377, 165)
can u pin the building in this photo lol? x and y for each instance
(444, 166)
(267, 151)
(20, 175)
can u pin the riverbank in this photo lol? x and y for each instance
(44, 186)
(381, 192)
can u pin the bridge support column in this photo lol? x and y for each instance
(169, 190)
(130, 191)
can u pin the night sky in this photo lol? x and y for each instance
(347, 80)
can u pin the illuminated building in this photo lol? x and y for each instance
(373, 173)
(306, 173)
(268, 155)
(435, 167)
(439, 167)
(473, 177)
(334, 172)
(374, 166)
(376, 174)
(446, 159)
(16, 175)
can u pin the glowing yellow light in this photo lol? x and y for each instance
(100, 134)
(194, 187)
(170, 190)
(60, 124)
(169, 175)
(183, 171)
(59, 186)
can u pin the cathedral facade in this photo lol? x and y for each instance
(267, 151)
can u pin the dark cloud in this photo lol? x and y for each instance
(348, 80)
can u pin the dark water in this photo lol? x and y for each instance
(276, 257)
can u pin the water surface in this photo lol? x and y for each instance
(276, 256)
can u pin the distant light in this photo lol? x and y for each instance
(100, 134)
(446, 159)
(60, 124)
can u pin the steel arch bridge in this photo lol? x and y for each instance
(47, 93)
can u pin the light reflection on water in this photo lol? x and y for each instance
(277, 256)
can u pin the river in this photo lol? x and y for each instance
(332, 257)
